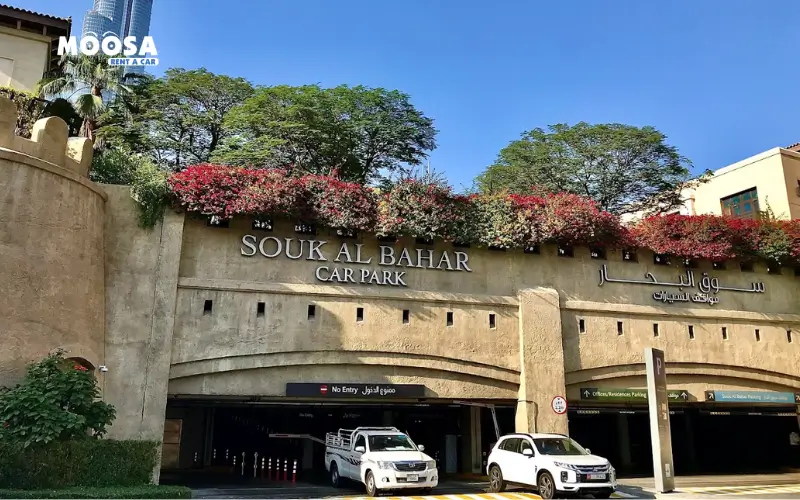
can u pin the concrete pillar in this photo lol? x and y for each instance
(476, 445)
(624, 444)
(208, 442)
(541, 362)
(691, 453)
(465, 424)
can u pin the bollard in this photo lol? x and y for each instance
(262, 467)
(255, 464)
(285, 468)
(269, 469)
(294, 471)
(243, 463)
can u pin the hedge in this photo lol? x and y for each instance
(84, 463)
(149, 491)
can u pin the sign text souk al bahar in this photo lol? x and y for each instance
(708, 287)
(338, 270)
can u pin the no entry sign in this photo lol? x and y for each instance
(559, 405)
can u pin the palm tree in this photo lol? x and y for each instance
(87, 81)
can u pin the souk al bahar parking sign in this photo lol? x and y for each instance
(708, 287)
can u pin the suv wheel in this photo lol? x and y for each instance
(496, 483)
(546, 486)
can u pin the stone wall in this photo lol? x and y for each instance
(51, 246)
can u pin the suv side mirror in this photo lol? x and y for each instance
(421, 447)
(360, 449)
(527, 452)
(588, 451)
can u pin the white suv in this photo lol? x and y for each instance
(552, 463)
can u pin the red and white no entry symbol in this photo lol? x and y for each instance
(559, 405)
(323, 389)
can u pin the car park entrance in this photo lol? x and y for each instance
(215, 433)
(706, 438)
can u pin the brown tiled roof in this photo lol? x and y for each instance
(794, 147)
(26, 11)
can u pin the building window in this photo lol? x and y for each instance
(691, 332)
(535, 249)
(261, 309)
(661, 259)
(207, 306)
(262, 225)
(655, 329)
(619, 328)
(492, 321)
(406, 316)
(746, 267)
(312, 311)
(742, 205)
(359, 314)
(566, 251)
(582, 325)
(789, 336)
(718, 265)
(449, 318)
(758, 335)
(216, 221)
(629, 256)
(724, 333)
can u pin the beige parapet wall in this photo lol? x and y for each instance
(51, 246)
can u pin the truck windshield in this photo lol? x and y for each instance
(390, 442)
(559, 446)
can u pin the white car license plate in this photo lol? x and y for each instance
(412, 478)
(596, 476)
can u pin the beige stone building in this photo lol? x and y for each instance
(258, 337)
(768, 180)
(28, 46)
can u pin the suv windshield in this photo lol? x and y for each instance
(390, 442)
(559, 446)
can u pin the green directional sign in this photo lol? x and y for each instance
(628, 395)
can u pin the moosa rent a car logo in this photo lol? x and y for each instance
(130, 50)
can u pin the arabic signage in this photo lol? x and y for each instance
(708, 287)
(314, 250)
(340, 390)
(629, 395)
(752, 397)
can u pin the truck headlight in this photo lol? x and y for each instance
(565, 466)
(384, 465)
(431, 464)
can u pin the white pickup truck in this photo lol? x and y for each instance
(382, 458)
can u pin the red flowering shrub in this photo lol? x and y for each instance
(209, 189)
(570, 219)
(421, 211)
(338, 204)
(691, 237)
(499, 220)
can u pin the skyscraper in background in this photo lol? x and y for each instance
(120, 17)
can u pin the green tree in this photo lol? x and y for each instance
(625, 169)
(184, 114)
(86, 81)
(56, 400)
(357, 133)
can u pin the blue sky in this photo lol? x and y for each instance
(719, 77)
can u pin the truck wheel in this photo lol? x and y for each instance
(496, 483)
(335, 479)
(546, 486)
(372, 488)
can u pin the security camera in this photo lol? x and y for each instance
(103, 368)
